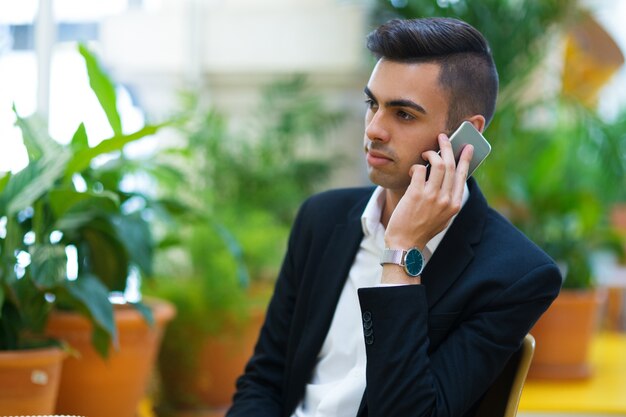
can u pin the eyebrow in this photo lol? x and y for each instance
(397, 102)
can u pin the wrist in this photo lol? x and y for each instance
(400, 243)
(411, 260)
(395, 274)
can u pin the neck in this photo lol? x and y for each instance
(392, 197)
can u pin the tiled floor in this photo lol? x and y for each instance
(528, 414)
(602, 395)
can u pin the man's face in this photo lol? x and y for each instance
(407, 109)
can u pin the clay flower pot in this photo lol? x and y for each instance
(96, 387)
(29, 380)
(202, 380)
(564, 334)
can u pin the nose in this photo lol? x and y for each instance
(375, 128)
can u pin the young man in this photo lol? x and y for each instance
(350, 331)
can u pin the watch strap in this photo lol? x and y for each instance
(393, 256)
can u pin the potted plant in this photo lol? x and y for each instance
(242, 191)
(546, 187)
(61, 203)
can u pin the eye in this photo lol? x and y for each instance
(404, 115)
(371, 104)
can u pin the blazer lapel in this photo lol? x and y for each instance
(455, 250)
(334, 266)
(331, 277)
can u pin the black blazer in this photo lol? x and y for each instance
(435, 347)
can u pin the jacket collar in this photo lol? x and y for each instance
(439, 274)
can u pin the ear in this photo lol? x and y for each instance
(478, 120)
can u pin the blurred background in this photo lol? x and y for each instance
(226, 115)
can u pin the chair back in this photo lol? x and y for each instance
(502, 398)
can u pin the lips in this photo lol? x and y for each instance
(377, 158)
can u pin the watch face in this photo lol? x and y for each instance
(414, 262)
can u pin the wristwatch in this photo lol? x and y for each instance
(411, 260)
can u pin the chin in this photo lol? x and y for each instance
(388, 181)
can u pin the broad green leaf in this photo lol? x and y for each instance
(10, 327)
(1, 299)
(36, 139)
(145, 311)
(13, 241)
(170, 240)
(79, 140)
(23, 188)
(65, 200)
(104, 89)
(108, 255)
(135, 234)
(72, 222)
(93, 298)
(48, 265)
(171, 206)
(4, 180)
(82, 159)
(33, 307)
(101, 341)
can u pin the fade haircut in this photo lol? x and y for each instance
(467, 72)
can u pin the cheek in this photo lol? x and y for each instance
(412, 149)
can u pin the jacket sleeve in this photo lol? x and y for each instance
(406, 378)
(260, 388)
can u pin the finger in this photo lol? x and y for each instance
(447, 155)
(418, 175)
(461, 172)
(435, 176)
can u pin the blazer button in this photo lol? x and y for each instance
(367, 325)
(368, 332)
(369, 339)
(367, 316)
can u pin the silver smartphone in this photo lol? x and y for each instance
(467, 134)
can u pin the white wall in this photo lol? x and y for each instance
(229, 48)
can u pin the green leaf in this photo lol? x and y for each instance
(48, 265)
(101, 341)
(4, 180)
(25, 187)
(82, 159)
(31, 304)
(104, 89)
(79, 140)
(36, 139)
(145, 311)
(107, 254)
(1, 299)
(137, 239)
(63, 201)
(88, 295)
(10, 327)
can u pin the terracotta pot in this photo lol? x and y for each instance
(564, 334)
(29, 380)
(224, 357)
(97, 387)
(618, 221)
(205, 384)
(618, 217)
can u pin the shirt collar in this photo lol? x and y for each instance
(370, 219)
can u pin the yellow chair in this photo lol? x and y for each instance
(502, 398)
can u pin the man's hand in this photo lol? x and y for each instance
(428, 205)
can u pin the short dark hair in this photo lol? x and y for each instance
(468, 72)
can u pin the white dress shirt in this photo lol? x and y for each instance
(338, 380)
